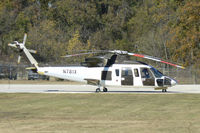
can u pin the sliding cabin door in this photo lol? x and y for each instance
(126, 76)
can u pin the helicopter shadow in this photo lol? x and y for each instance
(111, 92)
(141, 92)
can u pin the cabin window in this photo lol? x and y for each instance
(127, 72)
(117, 72)
(106, 75)
(136, 72)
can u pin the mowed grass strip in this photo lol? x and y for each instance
(97, 113)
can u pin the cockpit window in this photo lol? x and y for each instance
(157, 73)
(145, 73)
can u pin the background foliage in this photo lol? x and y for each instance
(168, 29)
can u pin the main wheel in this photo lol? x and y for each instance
(105, 89)
(164, 90)
(98, 90)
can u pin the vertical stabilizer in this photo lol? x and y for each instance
(30, 57)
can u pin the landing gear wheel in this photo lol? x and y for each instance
(164, 90)
(105, 89)
(98, 90)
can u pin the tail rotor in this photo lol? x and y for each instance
(21, 48)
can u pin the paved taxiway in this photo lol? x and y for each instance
(32, 88)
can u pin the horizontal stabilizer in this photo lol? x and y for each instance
(31, 68)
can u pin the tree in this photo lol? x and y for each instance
(48, 41)
(162, 28)
(185, 42)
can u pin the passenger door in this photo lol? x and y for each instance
(126, 76)
(137, 78)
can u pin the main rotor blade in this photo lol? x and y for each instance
(103, 51)
(24, 41)
(81, 54)
(155, 59)
(119, 52)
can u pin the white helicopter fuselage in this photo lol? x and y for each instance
(129, 75)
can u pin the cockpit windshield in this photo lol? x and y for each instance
(157, 73)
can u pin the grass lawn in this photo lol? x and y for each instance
(100, 113)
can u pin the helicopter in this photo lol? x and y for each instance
(104, 72)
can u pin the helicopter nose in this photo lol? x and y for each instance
(173, 82)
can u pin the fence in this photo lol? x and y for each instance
(183, 76)
(13, 72)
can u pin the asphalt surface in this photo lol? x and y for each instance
(32, 88)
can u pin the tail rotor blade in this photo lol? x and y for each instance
(19, 59)
(12, 45)
(24, 41)
(32, 51)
